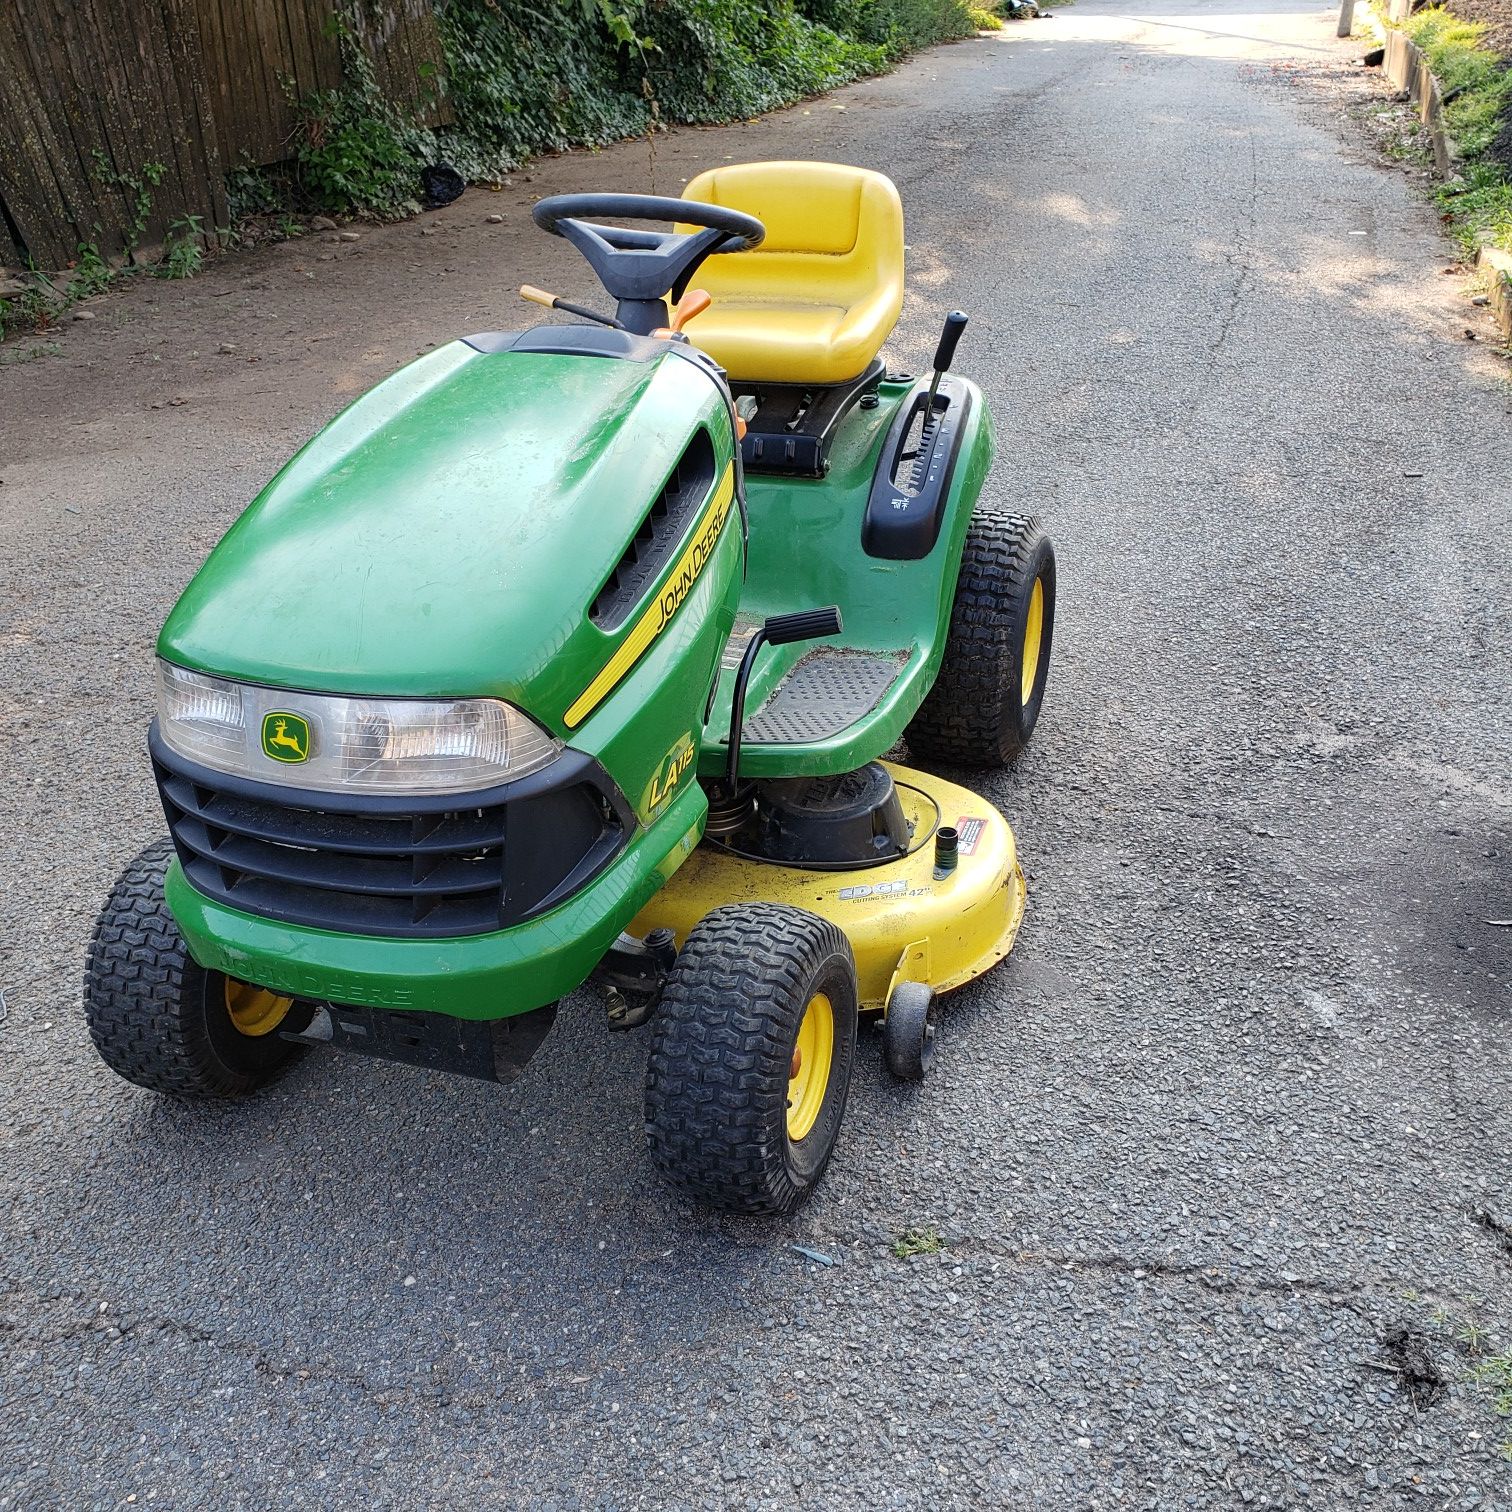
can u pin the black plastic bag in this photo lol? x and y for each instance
(441, 183)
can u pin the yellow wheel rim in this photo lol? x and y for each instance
(254, 1010)
(1034, 628)
(809, 1073)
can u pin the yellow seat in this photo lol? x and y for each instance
(816, 300)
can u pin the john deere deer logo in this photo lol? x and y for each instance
(286, 737)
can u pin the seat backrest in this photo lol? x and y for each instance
(834, 233)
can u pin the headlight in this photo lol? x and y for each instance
(336, 745)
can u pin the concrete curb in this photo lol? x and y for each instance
(1408, 69)
(1495, 269)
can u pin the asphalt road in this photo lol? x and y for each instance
(1235, 1109)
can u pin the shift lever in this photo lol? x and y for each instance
(950, 339)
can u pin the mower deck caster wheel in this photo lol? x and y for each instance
(908, 1031)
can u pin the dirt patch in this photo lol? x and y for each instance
(1407, 1350)
(1499, 1229)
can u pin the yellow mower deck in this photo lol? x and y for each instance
(904, 923)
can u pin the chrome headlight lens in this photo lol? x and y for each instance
(334, 744)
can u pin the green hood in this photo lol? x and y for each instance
(446, 534)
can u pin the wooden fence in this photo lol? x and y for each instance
(95, 97)
(98, 98)
(263, 55)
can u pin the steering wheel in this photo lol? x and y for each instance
(639, 268)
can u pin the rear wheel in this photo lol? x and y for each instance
(986, 700)
(751, 1054)
(162, 1021)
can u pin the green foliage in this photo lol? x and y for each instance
(357, 155)
(524, 82)
(985, 20)
(1476, 78)
(1494, 1375)
(251, 190)
(1490, 1369)
(898, 27)
(917, 1241)
(41, 305)
(24, 312)
(531, 76)
(184, 249)
(716, 61)
(622, 24)
(137, 186)
(92, 274)
(1479, 207)
(1477, 87)
(357, 151)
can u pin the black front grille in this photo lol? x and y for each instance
(429, 868)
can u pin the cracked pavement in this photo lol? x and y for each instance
(1236, 1107)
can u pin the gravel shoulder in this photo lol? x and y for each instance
(1236, 1109)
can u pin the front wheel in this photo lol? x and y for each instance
(164, 1022)
(986, 701)
(751, 1054)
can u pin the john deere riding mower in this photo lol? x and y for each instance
(568, 655)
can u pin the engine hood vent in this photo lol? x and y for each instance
(654, 544)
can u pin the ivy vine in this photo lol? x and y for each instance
(531, 76)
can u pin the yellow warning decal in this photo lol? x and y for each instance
(659, 614)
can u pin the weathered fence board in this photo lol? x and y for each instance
(98, 95)
(34, 165)
(402, 39)
(263, 56)
(92, 92)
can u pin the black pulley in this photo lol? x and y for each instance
(853, 819)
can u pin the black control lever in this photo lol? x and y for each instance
(807, 624)
(555, 302)
(950, 339)
(779, 630)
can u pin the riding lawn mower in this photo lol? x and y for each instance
(573, 655)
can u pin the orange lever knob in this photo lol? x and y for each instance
(694, 302)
